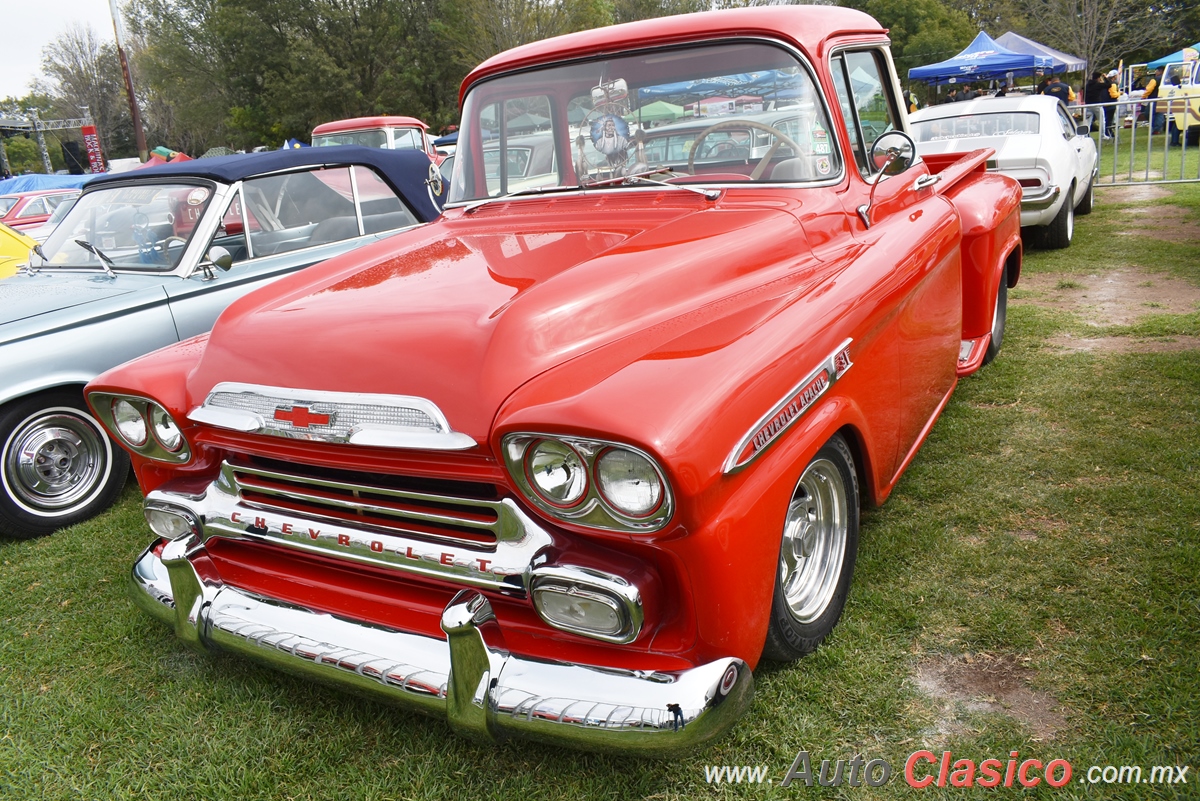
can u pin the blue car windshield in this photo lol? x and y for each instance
(144, 227)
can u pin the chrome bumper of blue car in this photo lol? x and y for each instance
(483, 690)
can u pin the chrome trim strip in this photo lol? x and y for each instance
(794, 405)
(504, 564)
(483, 690)
(438, 435)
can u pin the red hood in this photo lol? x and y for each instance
(465, 310)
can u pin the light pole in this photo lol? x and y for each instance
(134, 112)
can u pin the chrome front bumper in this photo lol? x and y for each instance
(483, 690)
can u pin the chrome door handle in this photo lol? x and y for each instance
(925, 181)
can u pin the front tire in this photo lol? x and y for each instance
(816, 555)
(57, 466)
(1062, 227)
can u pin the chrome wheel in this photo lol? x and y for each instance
(55, 460)
(814, 541)
(816, 554)
(57, 466)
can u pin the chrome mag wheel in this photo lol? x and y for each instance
(814, 541)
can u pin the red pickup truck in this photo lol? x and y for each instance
(569, 461)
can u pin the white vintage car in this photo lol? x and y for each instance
(1036, 141)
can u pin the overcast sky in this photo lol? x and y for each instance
(30, 25)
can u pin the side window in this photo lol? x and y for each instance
(34, 208)
(295, 210)
(382, 209)
(1068, 124)
(867, 98)
(407, 139)
(231, 233)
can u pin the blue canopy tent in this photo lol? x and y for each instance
(1174, 58)
(1062, 62)
(982, 60)
(37, 181)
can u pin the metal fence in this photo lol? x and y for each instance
(1134, 143)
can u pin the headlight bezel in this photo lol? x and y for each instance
(153, 446)
(593, 509)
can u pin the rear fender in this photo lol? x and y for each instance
(990, 208)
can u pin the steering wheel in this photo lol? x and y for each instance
(726, 150)
(163, 245)
(780, 139)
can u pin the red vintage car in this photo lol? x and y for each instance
(568, 462)
(390, 132)
(25, 211)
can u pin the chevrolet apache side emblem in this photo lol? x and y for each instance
(301, 416)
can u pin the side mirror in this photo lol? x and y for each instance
(893, 153)
(1082, 130)
(220, 257)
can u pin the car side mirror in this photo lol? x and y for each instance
(893, 153)
(220, 257)
(1082, 130)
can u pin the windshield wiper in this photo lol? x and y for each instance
(644, 178)
(533, 190)
(106, 262)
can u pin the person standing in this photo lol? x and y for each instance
(1058, 89)
(952, 95)
(1157, 118)
(1095, 92)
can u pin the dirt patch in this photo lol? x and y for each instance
(1120, 297)
(1169, 223)
(1123, 344)
(1132, 194)
(988, 684)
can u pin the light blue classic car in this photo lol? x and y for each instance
(148, 258)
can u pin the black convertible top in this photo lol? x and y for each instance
(405, 170)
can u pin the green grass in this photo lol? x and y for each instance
(1053, 516)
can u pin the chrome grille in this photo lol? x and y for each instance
(465, 513)
(344, 417)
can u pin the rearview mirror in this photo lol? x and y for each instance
(1082, 130)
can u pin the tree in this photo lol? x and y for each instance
(82, 76)
(1100, 31)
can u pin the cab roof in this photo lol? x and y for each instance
(363, 123)
(807, 27)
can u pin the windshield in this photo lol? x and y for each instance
(743, 111)
(60, 211)
(372, 138)
(970, 126)
(142, 227)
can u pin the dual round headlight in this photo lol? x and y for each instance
(143, 425)
(589, 481)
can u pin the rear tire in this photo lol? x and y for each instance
(999, 318)
(1062, 227)
(57, 466)
(816, 555)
